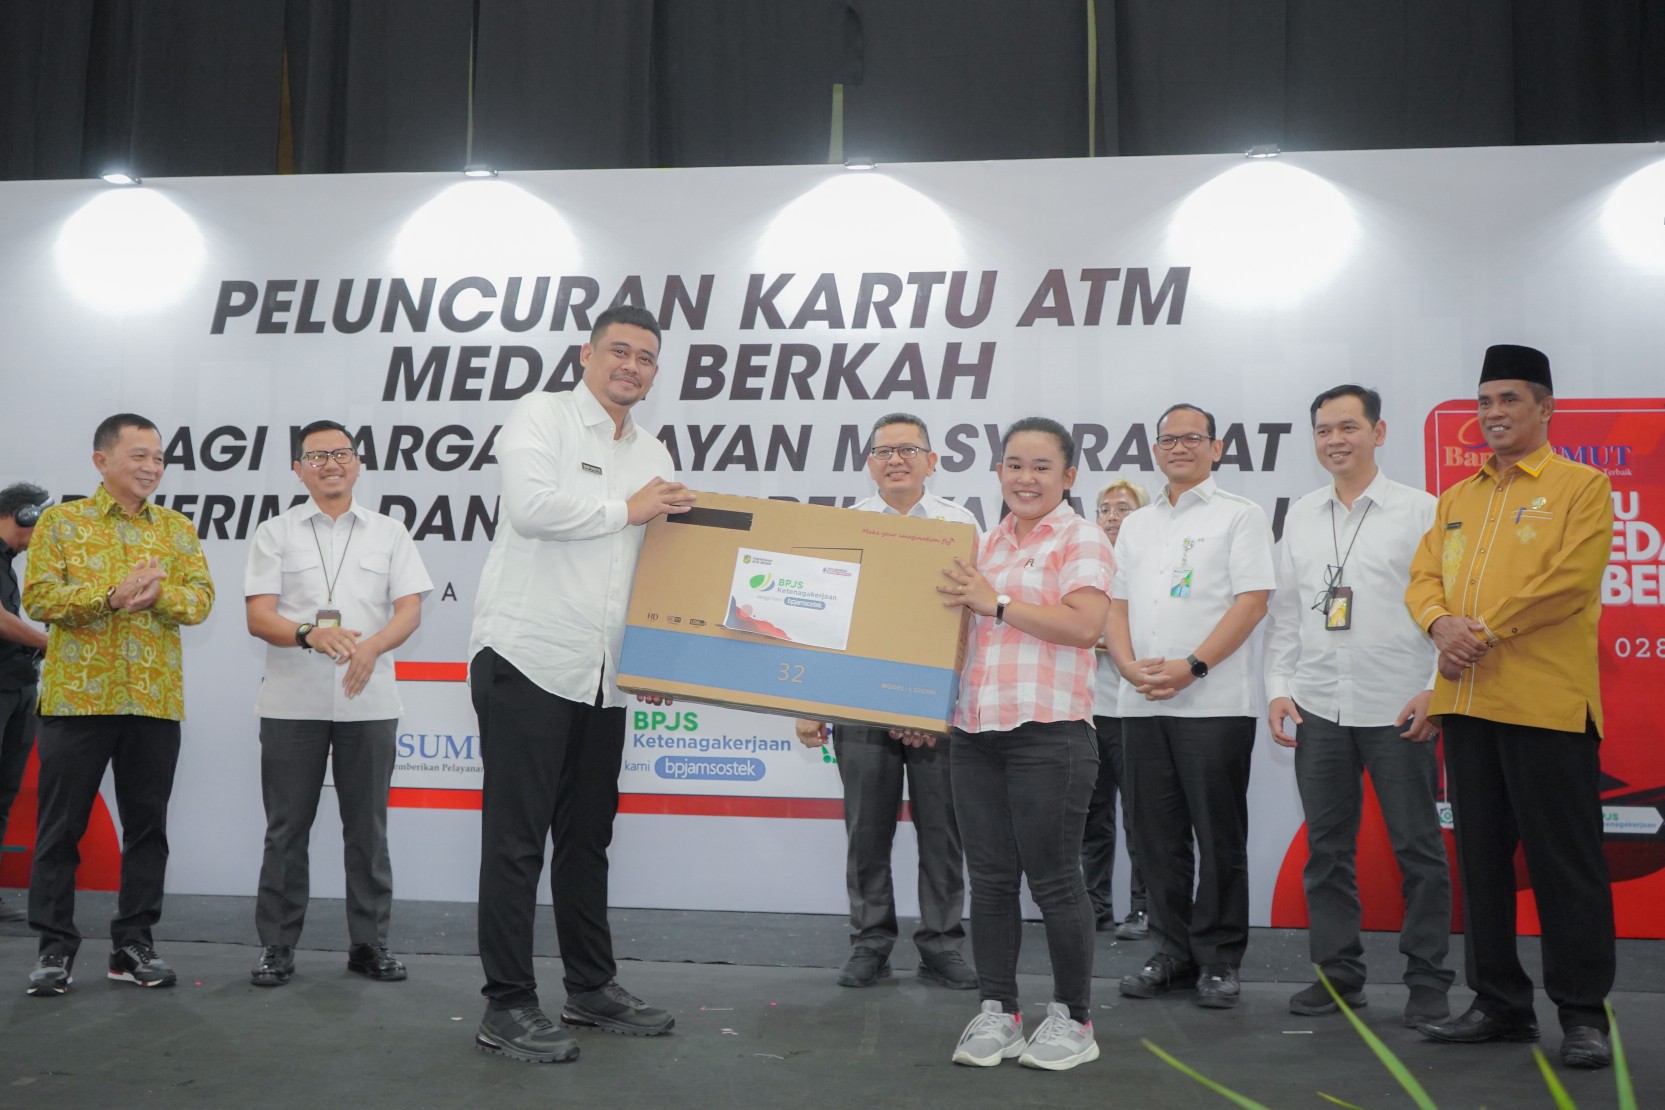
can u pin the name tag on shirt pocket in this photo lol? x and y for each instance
(590, 468)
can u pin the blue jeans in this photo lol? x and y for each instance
(1021, 801)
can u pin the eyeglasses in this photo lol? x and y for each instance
(908, 452)
(1190, 439)
(1332, 578)
(1118, 512)
(317, 459)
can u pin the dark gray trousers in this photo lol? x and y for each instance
(1098, 844)
(871, 765)
(1329, 762)
(293, 755)
(1189, 776)
(141, 753)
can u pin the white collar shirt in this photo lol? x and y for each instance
(928, 507)
(372, 562)
(1364, 675)
(556, 583)
(1179, 567)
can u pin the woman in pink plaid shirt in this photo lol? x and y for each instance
(1022, 752)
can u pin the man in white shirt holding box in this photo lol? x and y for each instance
(1193, 573)
(1349, 676)
(580, 480)
(872, 762)
(332, 588)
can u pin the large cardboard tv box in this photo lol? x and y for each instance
(802, 610)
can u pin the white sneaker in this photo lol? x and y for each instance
(991, 1037)
(1061, 1042)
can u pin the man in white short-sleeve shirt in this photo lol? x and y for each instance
(1349, 676)
(580, 481)
(872, 762)
(332, 588)
(1194, 571)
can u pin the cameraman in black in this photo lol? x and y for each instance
(21, 647)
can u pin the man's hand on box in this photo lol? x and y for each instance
(913, 738)
(659, 498)
(811, 734)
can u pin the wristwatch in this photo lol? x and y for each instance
(1000, 603)
(1198, 667)
(300, 636)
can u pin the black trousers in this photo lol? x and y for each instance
(17, 740)
(871, 766)
(1098, 844)
(74, 751)
(1541, 789)
(1189, 776)
(551, 767)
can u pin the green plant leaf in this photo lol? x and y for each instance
(1338, 1102)
(1382, 1051)
(1621, 1069)
(1186, 1069)
(1563, 1100)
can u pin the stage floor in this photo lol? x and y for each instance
(760, 1022)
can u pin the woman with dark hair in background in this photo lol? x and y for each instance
(1023, 755)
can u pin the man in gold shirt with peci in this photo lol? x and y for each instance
(1507, 583)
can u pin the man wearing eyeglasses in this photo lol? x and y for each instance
(1349, 676)
(1193, 574)
(332, 588)
(872, 762)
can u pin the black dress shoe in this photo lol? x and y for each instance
(277, 964)
(864, 968)
(373, 961)
(1583, 1046)
(1160, 975)
(1476, 1027)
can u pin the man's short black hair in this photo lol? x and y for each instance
(21, 495)
(1171, 409)
(1066, 442)
(634, 315)
(1369, 398)
(109, 432)
(313, 429)
(909, 418)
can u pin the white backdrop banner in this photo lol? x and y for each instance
(799, 304)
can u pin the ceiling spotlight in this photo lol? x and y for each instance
(1263, 150)
(478, 169)
(860, 164)
(120, 177)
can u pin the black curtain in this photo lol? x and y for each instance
(197, 86)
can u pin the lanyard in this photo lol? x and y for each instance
(329, 582)
(1340, 559)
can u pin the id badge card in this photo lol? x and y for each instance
(328, 618)
(1339, 617)
(1180, 584)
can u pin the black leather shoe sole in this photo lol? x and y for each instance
(487, 1043)
(1216, 1000)
(381, 974)
(1586, 1052)
(1517, 1034)
(270, 976)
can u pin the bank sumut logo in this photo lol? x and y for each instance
(1599, 455)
